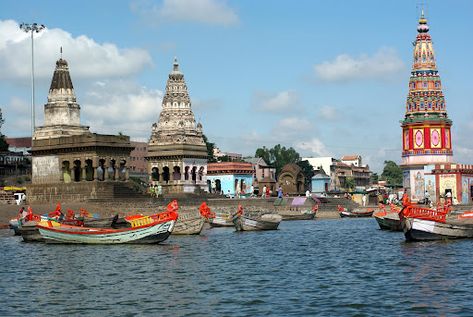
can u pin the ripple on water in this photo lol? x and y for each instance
(343, 267)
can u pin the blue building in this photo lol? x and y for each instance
(230, 178)
(320, 183)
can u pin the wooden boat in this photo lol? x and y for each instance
(355, 213)
(388, 220)
(222, 219)
(191, 222)
(188, 223)
(255, 222)
(144, 229)
(425, 224)
(299, 214)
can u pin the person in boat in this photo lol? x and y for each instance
(405, 199)
(21, 213)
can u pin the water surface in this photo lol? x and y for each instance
(345, 267)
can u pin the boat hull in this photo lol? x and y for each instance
(389, 221)
(297, 215)
(150, 234)
(221, 219)
(30, 233)
(427, 230)
(355, 214)
(188, 226)
(244, 223)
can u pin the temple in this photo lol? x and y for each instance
(177, 153)
(69, 161)
(427, 154)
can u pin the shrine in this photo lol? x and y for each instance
(68, 161)
(427, 138)
(177, 153)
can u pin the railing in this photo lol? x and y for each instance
(413, 211)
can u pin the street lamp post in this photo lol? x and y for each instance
(35, 27)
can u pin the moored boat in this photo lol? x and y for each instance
(388, 220)
(222, 219)
(144, 229)
(244, 222)
(424, 224)
(355, 213)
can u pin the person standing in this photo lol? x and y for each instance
(307, 193)
(279, 191)
(363, 200)
(263, 194)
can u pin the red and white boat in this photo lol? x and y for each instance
(423, 224)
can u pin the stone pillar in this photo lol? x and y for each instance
(83, 176)
(105, 168)
(127, 174)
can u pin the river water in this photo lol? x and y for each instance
(345, 267)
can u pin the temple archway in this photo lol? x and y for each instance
(66, 171)
(166, 174)
(89, 170)
(176, 174)
(76, 171)
(101, 170)
(155, 174)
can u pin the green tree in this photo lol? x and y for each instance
(307, 170)
(350, 183)
(3, 142)
(210, 149)
(392, 173)
(374, 178)
(278, 156)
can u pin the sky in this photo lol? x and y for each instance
(328, 78)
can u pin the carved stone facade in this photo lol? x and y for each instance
(292, 180)
(177, 153)
(63, 151)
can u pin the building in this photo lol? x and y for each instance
(17, 160)
(264, 174)
(138, 165)
(177, 153)
(333, 174)
(320, 182)
(321, 163)
(292, 180)
(454, 178)
(349, 160)
(218, 155)
(66, 152)
(230, 178)
(426, 134)
(19, 145)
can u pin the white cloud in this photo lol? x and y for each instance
(280, 102)
(215, 12)
(293, 124)
(87, 58)
(17, 115)
(327, 112)
(314, 147)
(120, 106)
(382, 65)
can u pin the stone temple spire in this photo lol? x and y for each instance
(177, 153)
(426, 126)
(176, 122)
(62, 112)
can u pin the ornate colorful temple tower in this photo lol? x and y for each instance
(177, 153)
(426, 127)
